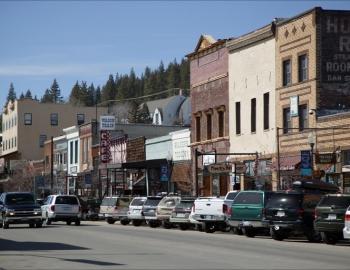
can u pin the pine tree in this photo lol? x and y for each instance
(28, 94)
(161, 79)
(55, 92)
(98, 95)
(75, 97)
(173, 75)
(109, 89)
(21, 96)
(90, 101)
(185, 75)
(11, 94)
(47, 97)
(84, 93)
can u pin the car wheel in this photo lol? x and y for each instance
(136, 222)
(47, 220)
(153, 224)
(5, 225)
(277, 235)
(124, 222)
(77, 222)
(31, 225)
(313, 236)
(110, 221)
(237, 231)
(69, 222)
(249, 232)
(39, 224)
(167, 225)
(184, 227)
(329, 238)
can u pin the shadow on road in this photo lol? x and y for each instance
(9, 245)
(92, 262)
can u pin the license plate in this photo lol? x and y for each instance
(332, 216)
(136, 211)
(208, 217)
(280, 214)
(180, 215)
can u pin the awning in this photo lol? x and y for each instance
(289, 163)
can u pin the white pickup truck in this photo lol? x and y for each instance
(212, 211)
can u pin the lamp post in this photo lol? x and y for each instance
(312, 141)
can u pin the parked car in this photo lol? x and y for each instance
(330, 217)
(89, 208)
(180, 215)
(115, 208)
(165, 208)
(61, 208)
(346, 230)
(212, 211)
(247, 212)
(19, 208)
(292, 213)
(135, 211)
(149, 211)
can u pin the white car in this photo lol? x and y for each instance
(61, 208)
(135, 211)
(346, 230)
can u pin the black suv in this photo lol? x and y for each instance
(19, 208)
(330, 215)
(292, 213)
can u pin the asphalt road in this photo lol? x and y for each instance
(98, 245)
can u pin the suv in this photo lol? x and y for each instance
(149, 210)
(135, 210)
(61, 208)
(247, 212)
(292, 212)
(330, 217)
(181, 214)
(165, 208)
(19, 208)
(115, 208)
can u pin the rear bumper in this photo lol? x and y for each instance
(163, 217)
(179, 220)
(209, 218)
(246, 223)
(284, 225)
(329, 226)
(346, 233)
(64, 217)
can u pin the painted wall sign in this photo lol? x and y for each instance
(325, 158)
(294, 102)
(107, 122)
(220, 168)
(105, 144)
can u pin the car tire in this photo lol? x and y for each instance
(329, 238)
(184, 227)
(31, 225)
(38, 224)
(237, 231)
(313, 236)
(277, 235)
(110, 221)
(167, 225)
(137, 223)
(5, 225)
(209, 228)
(249, 232)
(69, 222)
(77, 222)
(47, 220)
(124, 222)
(153, 224)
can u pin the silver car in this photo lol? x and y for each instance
(135, 214)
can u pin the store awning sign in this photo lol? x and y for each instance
(220, 168)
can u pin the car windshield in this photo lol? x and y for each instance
(152, 201)
(66, 200)
(138, 202)
(284, 201)
(340, 202)
(109, 202)
(19, 199)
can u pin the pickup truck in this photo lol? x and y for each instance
(213, 211)
(19, 208)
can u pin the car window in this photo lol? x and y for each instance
(123, 202)
(284, 200)
(19, 199)
(231, 195)
(138, 202)
(341, 202)
(66, 200)
(153, 201)
(185, 204)
(109, 202)
(249, 198)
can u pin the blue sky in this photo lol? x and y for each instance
(69, 41)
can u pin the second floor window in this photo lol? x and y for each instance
(266, 110)
(42, 139)
(209, 126)
(27, 119)
(221, 123)
(287, 123)
(54, 119)
(80, 119)
(253, 115)
(198, 129)
(303, 117)
(287, 72)
(303, 67)
(238, 118)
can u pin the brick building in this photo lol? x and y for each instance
(312, 96)
(210, 125)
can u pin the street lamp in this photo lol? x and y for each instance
(312, 141)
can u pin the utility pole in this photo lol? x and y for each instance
(51, 165)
